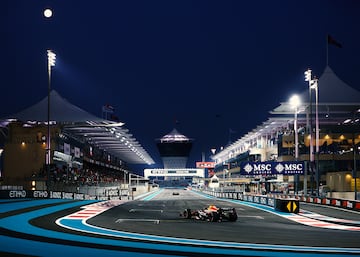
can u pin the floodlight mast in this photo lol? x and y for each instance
(313, 84)
(51, 63)
(295, 103)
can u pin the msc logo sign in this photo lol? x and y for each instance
(289, 168)
(271, 168)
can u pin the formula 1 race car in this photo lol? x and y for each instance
(212, 214)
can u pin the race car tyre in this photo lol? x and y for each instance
(215, 217)
(187, 214)
(232, 217)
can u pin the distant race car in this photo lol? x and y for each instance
(212, 214)
(175, 193)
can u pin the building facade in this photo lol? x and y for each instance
(328, 133)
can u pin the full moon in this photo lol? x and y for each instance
(47, 13)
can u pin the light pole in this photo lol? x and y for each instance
(316, 88)
(313, 84)
(295, 103)
(354, 167)
(354, 154)
(51, 63)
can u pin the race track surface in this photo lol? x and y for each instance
(153, 225)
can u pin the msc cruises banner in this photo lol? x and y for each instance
(271, 168)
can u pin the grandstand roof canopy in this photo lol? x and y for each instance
(337, 103)
(334, 96)
(107, 135)
(174, 136)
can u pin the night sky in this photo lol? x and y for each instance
(204, 67)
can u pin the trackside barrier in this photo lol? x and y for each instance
(287, 205)
(42, 194)
(38, 194)
(294, 200)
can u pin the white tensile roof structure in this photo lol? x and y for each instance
(174, 136)
(337, 102)
(104, 134)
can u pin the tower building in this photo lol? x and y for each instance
(174, 149)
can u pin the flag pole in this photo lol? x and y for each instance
(327, 50)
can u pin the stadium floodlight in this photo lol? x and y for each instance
(51, 58)
(295, 103)
(51, 62)
(307, 75)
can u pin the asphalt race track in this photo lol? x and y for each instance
(152, 226)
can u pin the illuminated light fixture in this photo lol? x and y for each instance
(307, 75)
(22, 143)
(347, 121)
(48, 13)
(51, 58)
(295, 103)
(33, 183)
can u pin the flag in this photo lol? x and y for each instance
(67, 149)
(332, 41)
(108, 108)
(77, 152)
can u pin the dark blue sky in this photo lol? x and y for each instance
(210, 65)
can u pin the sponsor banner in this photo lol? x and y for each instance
(56, 195)
(67, 149)
(271, 168)
(39, 194)
(203, 165)
(6, 194)
(77, 152)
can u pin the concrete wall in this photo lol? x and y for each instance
(121, 190)
(341, 195)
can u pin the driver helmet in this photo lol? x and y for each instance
(212, 208)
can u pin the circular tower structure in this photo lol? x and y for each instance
(174, 149)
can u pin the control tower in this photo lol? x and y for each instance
(174, 149)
